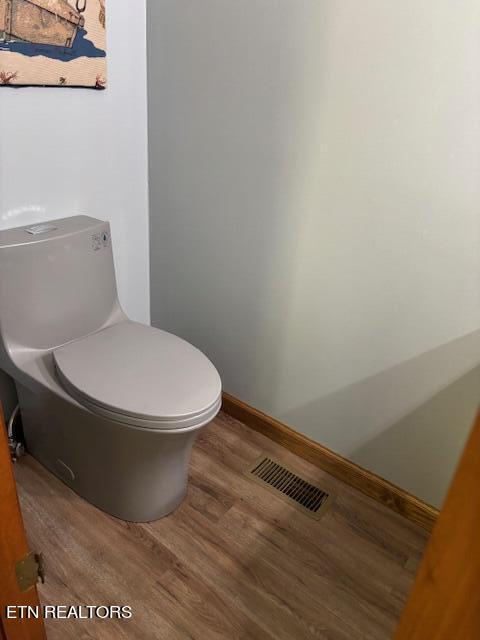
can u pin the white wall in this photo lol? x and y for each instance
(315, 204)
(70, 151)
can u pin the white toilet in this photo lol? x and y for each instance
(110, 406)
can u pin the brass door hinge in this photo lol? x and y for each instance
(29, 570)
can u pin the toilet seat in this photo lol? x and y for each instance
(141, 376)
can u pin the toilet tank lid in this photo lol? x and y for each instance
(48, 230)
(140, 371)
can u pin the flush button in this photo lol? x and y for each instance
(36, 229)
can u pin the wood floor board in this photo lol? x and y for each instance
(370, 516)
(339, 574)
(376, 528)
(351, 553)
(268, 569)
(233, 561)
(262, 593)
(325, 564)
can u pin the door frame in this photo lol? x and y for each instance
(444, 603)
(13, 548)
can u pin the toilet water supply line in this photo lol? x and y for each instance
(11, 421)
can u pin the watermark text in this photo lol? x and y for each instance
(60, 611)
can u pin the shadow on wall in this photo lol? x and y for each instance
(428, 442)
(408, 423)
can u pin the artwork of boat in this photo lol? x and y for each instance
(50, 22)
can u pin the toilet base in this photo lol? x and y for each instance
(133, 474)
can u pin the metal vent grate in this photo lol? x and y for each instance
(299, 492)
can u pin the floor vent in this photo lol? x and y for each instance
(285, 483)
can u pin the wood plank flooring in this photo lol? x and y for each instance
(232, 562)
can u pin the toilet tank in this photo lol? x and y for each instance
(57, 282)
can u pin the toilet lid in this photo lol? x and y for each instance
(138, 371)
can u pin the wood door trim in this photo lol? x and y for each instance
(13, 548)
(445, 600)
(352, 474)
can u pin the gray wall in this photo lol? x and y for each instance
(314, 213)
(418, 450)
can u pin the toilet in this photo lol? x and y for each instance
(110, 406)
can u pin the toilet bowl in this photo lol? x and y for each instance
(110, 406)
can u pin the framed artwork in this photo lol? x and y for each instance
(60, 43)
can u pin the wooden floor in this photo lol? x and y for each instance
(233, 561)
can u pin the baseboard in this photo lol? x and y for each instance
(365, 481)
